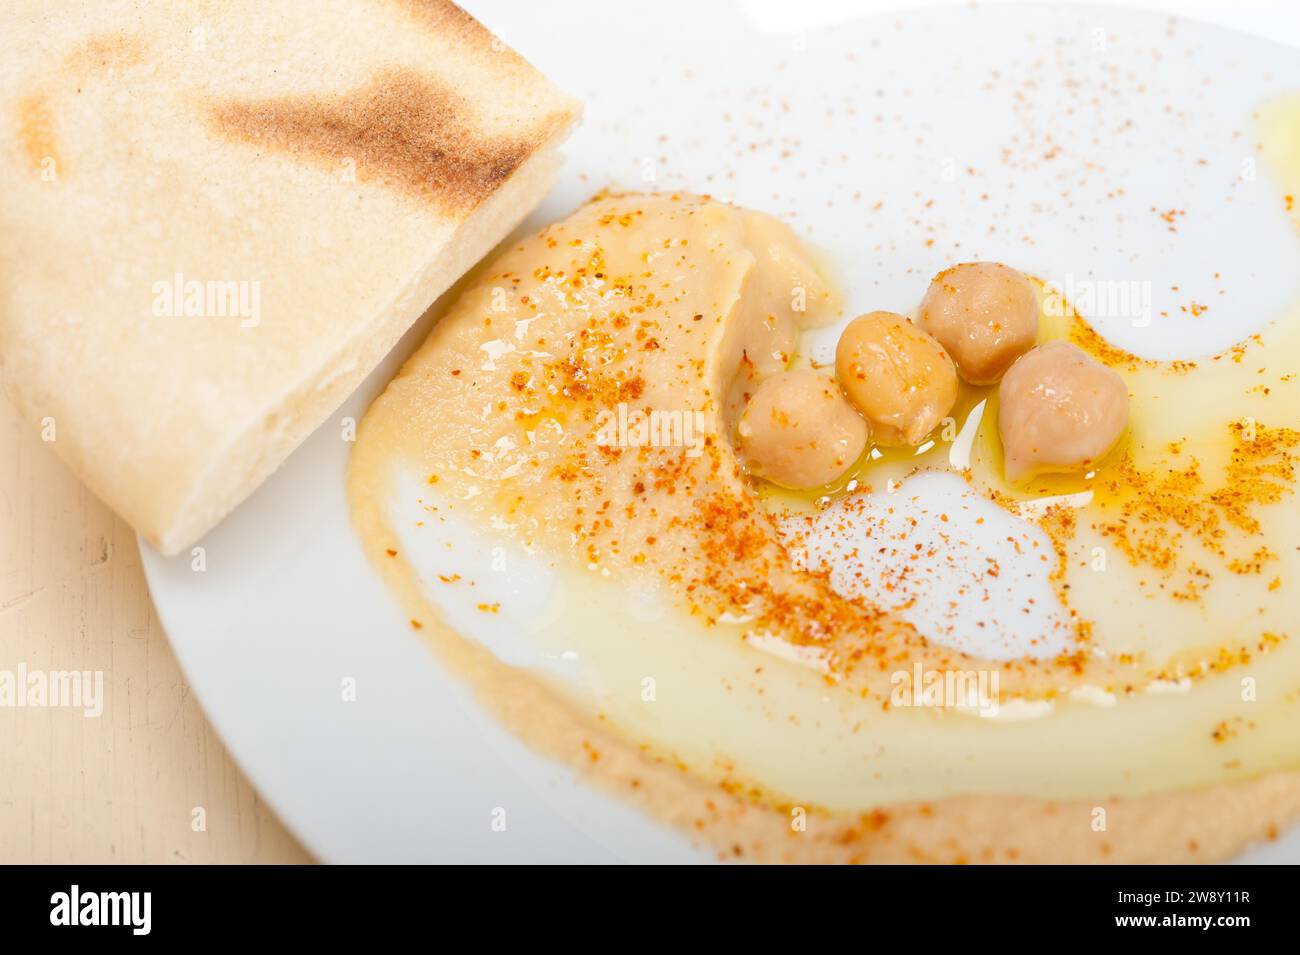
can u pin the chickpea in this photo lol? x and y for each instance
(899, 377)
(800, 431)
(985, 314)
(1059, 411)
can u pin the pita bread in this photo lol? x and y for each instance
(219, 216)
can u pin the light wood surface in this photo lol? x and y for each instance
(123, 786)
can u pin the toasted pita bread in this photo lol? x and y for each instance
(219, 216)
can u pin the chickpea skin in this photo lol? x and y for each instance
(899, 377)
(800, 431)
(985, 314)
(1059, 411)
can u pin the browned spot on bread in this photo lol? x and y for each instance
(405, 129)
(35, 111)
(36, 131)
(450, 22)
(105, 51)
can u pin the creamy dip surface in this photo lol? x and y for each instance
(691, 641)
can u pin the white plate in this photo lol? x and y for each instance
(1075, 123)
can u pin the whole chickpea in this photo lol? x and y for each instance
(899, 377)
(1059, 411)
(799, 430)
(985, 314)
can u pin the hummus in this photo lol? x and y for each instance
(578, 406)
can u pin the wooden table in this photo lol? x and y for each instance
(123, 786)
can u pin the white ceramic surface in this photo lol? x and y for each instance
(1049, 137)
